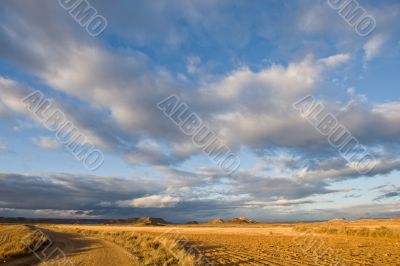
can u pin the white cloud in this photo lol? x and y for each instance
(280, 203)
(47, 143)
(249, 109)
(298, 78)
(309, 20)
(373, 47)
(193, 63)
(3, 147)
(12, 95)
(154, 201)
(335, 60)
(390, 110)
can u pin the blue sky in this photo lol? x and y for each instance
(240, 66)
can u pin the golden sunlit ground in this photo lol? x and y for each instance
(362, 242)
(15, 241)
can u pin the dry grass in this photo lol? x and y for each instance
(378, 232)
(15, 240)
(366, 242)
(329, 245)
(147, 248)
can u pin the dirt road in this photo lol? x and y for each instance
(79, 250)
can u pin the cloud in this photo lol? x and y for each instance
(13, 94)
(47, 143)
(279, 203)
(4, 113)
(283, 188)
(335, 60)
(357, 211)
(388, 192)
(67, 195)
(154, 201)
(3, 147)
(246, 108)
(66, 192)
(110, 90)
(373, 46)
(389, 195)
(49, 213)
(193, 63)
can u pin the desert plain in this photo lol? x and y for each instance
(335, 242)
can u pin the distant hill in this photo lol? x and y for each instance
(216, 221)
(152, 221)
(241, 220)
(338, 220)
(236, 220)
(141, 220)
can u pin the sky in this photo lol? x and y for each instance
(239, 66)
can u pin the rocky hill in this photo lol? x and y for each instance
(216, 221)
(141, 220)
(241, 220)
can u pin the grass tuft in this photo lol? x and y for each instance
(15, 240)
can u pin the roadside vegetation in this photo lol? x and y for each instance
(15, 241)
(147, 248)
(379, 232)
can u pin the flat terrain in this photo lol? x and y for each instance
(363, 242)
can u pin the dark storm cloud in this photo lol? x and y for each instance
(93, 196)
(284, 188)
(69, 192)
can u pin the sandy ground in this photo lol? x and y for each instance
(277, 245)
(234, 245)
(215, 230)
(79, 250)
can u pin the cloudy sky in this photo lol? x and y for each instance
(240, 66)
